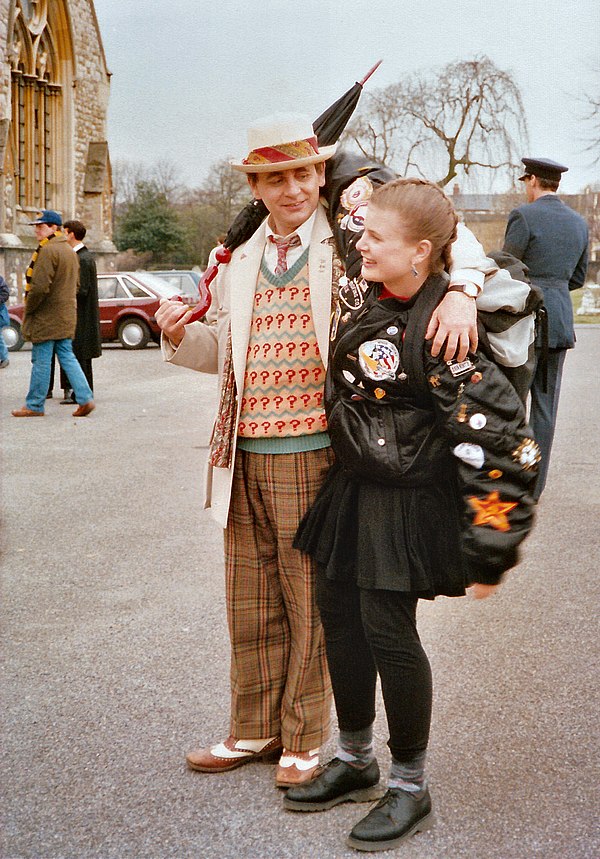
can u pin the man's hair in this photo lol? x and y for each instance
(77, 228)
(549, 184)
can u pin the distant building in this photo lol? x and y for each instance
(486, 215)
(54, 89)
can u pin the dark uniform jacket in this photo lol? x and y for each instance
(467, 425)
(87, 342)
(552, 240)
(50, 302)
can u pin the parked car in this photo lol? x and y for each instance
(128, 301)
(186, 281)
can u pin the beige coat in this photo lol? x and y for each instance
(51, 303)
(203, 346)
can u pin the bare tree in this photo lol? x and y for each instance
(592, 118)
(126, 176)
(467, 116)
(207, 212)
(162, 174)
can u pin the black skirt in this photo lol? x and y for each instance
(387, 537)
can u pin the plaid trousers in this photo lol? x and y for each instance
(279, 680)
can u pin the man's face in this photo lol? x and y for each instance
(291, 196)
(42, 231)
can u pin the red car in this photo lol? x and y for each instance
(128, 301)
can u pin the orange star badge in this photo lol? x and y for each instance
(492, 511)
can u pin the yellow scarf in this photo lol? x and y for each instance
(36, 253)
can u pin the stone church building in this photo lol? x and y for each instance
(54, 89)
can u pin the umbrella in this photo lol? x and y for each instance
(328, 128)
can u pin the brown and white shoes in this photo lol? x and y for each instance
(296, 768)
(232, 754)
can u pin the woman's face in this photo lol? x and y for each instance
(388, 253)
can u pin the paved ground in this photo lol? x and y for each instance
(115, 648)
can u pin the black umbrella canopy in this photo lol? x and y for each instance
(328, 127)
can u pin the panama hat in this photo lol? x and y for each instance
(283, 141)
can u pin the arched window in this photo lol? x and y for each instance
(36, 107)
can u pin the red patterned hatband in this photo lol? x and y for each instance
(284, 152)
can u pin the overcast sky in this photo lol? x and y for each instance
(189, 76)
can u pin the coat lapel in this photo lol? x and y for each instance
(244, 274)
(320, 262)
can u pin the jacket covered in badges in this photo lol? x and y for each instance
(461, 423)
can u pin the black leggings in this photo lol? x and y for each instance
(370, 632)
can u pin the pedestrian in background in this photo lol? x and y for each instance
(4, 322)
(87, 343)
(552, 240)
(50, 316)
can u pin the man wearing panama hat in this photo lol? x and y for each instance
(267, 338)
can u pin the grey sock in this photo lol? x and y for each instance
(356, 747)
(409, 775)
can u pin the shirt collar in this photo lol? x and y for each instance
(303, 232)
(78, 247)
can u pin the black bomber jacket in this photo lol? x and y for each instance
(400, 416)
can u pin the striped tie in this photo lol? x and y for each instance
(283, 246)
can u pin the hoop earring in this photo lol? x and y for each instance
(415, 273)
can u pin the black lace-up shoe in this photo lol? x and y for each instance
(397, 816)
(335, 783)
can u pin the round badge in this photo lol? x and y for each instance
(495, 473)
(477, 421)
(392, 330)
(378, 359)
(351, 294)
(380, 442)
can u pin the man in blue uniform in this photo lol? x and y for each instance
(552, 240)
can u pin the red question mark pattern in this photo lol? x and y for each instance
(283, 386)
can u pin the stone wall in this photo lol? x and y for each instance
(80, 162)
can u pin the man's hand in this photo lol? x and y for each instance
(481, 592)
(453, 322)
(171, 317)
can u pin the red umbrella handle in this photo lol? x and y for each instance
(223, 255)
(369, 73)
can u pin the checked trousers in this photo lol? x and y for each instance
(279, 680)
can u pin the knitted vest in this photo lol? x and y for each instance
(283, 384)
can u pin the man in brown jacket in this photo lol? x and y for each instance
(51, 315)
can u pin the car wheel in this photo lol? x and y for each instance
(13, 337)
(133, 334)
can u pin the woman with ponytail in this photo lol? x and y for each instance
(430, 495)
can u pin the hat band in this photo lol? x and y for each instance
(284, 152)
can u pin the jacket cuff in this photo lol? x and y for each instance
(467, 275)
